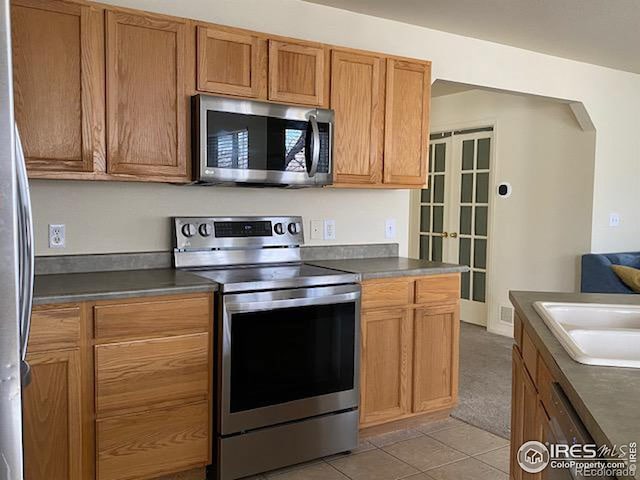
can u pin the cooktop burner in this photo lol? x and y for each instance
(267, 277)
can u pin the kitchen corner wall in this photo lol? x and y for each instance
(112, 217)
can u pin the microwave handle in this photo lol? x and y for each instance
(315, 152)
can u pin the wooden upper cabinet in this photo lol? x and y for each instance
(357, 97)
(435, 362)
(147, 96)
(231, 62)
(58, 69)
(298, 73)
(406, 135)
(52, 417)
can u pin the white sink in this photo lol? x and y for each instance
(595, 334)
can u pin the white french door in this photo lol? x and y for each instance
(454, 212)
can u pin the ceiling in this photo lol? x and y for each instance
(602, 32)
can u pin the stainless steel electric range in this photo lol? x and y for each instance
(286, 346)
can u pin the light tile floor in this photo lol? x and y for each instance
(442, 450)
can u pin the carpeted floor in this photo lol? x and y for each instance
(485, 380)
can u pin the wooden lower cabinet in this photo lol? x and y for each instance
(409, 354)
(52, 417)
(107, 406)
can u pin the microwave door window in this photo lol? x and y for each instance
(236, 141)
(253, 142)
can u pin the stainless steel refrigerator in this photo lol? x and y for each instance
(16, 268)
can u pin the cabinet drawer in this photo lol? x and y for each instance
(55, 328)
(387, 293)
(438, 289)
(155, 443)
(156, 317)
(136, 375)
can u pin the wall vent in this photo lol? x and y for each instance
(506, 315)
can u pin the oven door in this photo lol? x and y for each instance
(288, 355)
(245, 141)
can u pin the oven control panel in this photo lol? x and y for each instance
(237, 232)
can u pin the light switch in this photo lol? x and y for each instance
(317, 230)
(390, 228)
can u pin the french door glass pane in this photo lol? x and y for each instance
(480, 253)
(425, 218)
(424, 247)
(438, 189)
(465, 286)
(467, 155)
(440, 155)
(481, 221)
(484, 146)
(464, 257)
(436, 249)
(482, 188)
(478, 286)
(466, 190)
(465, 220)
(438, 219)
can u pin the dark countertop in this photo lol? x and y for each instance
(79, 287)
(605, 398)
(370, 268)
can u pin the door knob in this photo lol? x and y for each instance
(443, 234)
(454, 235)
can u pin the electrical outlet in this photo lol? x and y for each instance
(316, 230)
(56, 236)
(329, 229)
(390, 228)
(614, 220)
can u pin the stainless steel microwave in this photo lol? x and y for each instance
(241, 141)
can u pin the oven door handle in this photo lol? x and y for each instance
(262, 305)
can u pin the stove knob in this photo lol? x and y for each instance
(278, 228)
(205, 229)
(294, 228)
(189, 230)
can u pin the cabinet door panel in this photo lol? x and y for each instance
(52, 417)
(385, 366)
(298, 73)
(435, 363)
(357, 97)
(58, 68)
(231, 63)
(153, 443)
(140, 374)
(146, 96)
(406, 134)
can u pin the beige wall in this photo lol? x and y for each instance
(107, 217)
(538, 233)
(610, 96)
